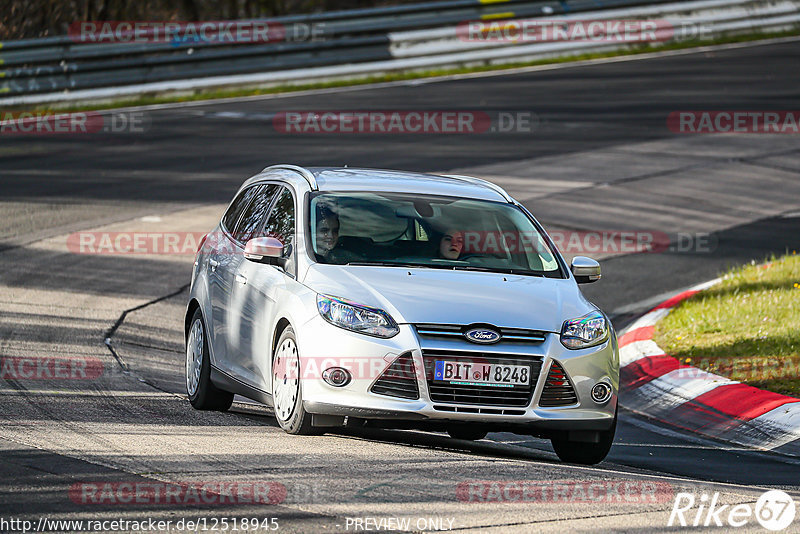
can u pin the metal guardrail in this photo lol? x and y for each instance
(409, 36)
(63, 63)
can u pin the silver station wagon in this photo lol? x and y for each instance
(349, 297)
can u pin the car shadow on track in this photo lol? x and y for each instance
(258, 414)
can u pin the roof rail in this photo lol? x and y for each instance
(305, 173)
(484, 183)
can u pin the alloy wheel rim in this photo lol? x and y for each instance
(194, 357)
(285, 379)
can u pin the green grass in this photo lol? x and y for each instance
(210, 94)
(746, 328)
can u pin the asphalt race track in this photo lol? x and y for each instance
(598, 156)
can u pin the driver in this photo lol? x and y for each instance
(328, 247)
(327, 230)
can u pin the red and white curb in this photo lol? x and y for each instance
(657, 385)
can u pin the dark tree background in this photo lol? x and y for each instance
(39, 18)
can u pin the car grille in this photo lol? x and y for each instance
(516, 396)
(558, 390)
(399, 379)
(465, 409)
(456, 331)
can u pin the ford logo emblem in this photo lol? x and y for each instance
(482, 335)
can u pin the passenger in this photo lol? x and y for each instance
(451, 245)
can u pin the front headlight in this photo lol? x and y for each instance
(586, 331)
(351, 316)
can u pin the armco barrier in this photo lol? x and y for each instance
(354, 43)
(353, 36)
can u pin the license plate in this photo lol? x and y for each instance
(482, 374)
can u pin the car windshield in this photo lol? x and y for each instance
(426, 231)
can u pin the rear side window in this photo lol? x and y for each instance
(255, 213)
(237, 207)
(280, 224)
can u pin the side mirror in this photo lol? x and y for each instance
(586, 270)
(265, 250)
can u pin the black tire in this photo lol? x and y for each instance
(206, 396)
(297, 421)
(472, 433)
(578, 452)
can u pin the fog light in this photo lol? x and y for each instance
(336, 376)
(601, 392)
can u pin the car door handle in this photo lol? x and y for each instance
(241, 279)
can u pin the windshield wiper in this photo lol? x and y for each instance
(500, 270)
(396, 264)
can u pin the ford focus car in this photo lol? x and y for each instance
(344, 296)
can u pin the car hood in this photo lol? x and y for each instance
(419, 295)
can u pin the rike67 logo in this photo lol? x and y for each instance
(775, 510)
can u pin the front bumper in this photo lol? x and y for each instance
(322, 345)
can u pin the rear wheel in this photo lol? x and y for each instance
(287, 391)
(471, 433)
(203, 394)
(586, 453)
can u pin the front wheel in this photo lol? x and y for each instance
(287, 391)
(578, 452)
(203, 394)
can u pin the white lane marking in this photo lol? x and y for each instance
(238, 115)
(81, 393)
(653, 445)
(671, 446)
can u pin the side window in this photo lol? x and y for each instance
(254, 213)
(420, 233)
(237, 207)
(280, 223)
